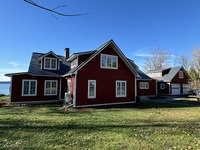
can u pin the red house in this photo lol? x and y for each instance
(172, 81)
(100, 77)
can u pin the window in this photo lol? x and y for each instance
(29, 87)
(74, 63)
(180, 74)
(109, 61)
(120, 88)
(144, 85)
(50, 63)
(91, 88)
(50, 87)
(162, 86)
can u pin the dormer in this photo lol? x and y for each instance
(50, 61)
(78, 58)
(155, 74)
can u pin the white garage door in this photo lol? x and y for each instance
(176, 89)
(186, 88)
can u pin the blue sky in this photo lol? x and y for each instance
(135, 26)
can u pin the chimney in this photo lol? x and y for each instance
(66, 53)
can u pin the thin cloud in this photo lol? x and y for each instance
(141, 55)
(15, 64)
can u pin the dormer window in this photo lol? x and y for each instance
(180, 74)
(109, 61)
(50, 63)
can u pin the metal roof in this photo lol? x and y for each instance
(35, 66)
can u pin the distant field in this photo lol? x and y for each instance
(149, 126)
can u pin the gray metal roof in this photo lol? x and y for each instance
(170, 75)
(35, 69)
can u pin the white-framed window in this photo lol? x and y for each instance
(91, 88)
(162, 86)
(180, 74)
(144, 85)
(120, 88)
(109, 61)
(29, 87)
(50, 63)
(74, 63)
(50, 87)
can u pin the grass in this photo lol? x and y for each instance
(4, 98)
(149, 126)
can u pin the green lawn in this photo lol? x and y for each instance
(149, 126)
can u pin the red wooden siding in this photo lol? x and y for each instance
(16, 95)
(146, 92)
(105, 82)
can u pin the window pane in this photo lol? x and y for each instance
(123, 88)
(26, 87)
(47, 63)
(114, 62)
(108, 61)
(53, 88)
(118, 88)
(91, 91)
(33, 86)
(103, 59)
(53, 63)
(48, 87)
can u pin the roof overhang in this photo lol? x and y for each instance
(12, 74)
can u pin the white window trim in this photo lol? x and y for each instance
(50, 63)
(181, 74)
(89, 88)
(141, 87)
(29, 87)
(162, 86)
(106, 61)
(50, 87)
(120, 81)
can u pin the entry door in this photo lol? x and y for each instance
(176, 89)
(186, 88)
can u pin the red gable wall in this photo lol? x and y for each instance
(180, 81)
(105, 81)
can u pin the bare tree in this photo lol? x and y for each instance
(53, 9)
(183, 60)
(158, 59)
(195, 60)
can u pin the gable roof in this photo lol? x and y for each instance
(35, 68)
(44, 55)
(101, 48)
(172, 72)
